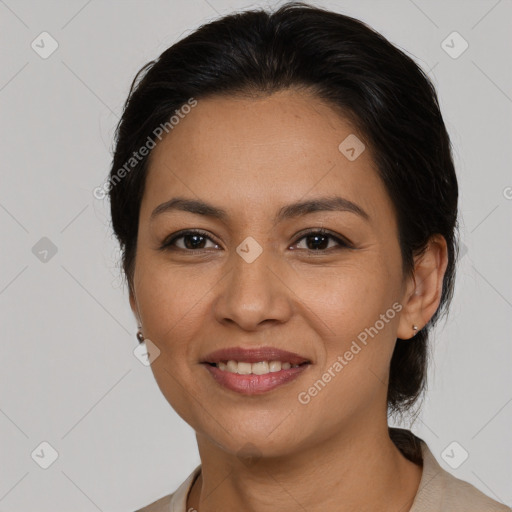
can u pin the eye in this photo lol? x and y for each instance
(319, 240)
(192, 240)
(196, 240)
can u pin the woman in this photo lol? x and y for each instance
(285, 198)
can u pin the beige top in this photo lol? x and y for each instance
(439, 491)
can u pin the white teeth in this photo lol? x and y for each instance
(274, 366)
(244, 368)
(259, 368)
(232, 366)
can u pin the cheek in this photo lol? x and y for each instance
(171, 299)
(172, 305)
(359, 312)
(347, 297)
(354, 374)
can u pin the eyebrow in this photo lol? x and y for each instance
(333, 203)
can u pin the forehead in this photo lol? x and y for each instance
(247, 152)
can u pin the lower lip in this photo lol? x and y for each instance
(254, 384)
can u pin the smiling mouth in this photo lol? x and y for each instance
(254, 378)
(258, 368)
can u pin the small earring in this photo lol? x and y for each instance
(415, 329)
(140, 337)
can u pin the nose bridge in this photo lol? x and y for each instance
(253, 293)
(251, 266)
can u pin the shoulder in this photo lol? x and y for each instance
(160, 505)
(460, 495)
(176, 501)
(439, 490)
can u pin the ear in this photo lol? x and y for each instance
(424, 288)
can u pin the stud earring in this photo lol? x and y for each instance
(415, 329)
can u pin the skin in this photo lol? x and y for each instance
(251, 156)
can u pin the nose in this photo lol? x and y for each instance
(254, 293)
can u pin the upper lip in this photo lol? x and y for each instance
(254, 355)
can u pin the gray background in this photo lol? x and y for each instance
(68, 373)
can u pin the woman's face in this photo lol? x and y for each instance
(257, 279)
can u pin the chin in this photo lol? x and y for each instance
(264, 442)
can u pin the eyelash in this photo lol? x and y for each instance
(168, 244)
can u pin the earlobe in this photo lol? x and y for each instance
(425, 288)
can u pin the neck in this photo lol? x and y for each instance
(358, 470)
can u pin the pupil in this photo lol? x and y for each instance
(195, 244)
(316, 237)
